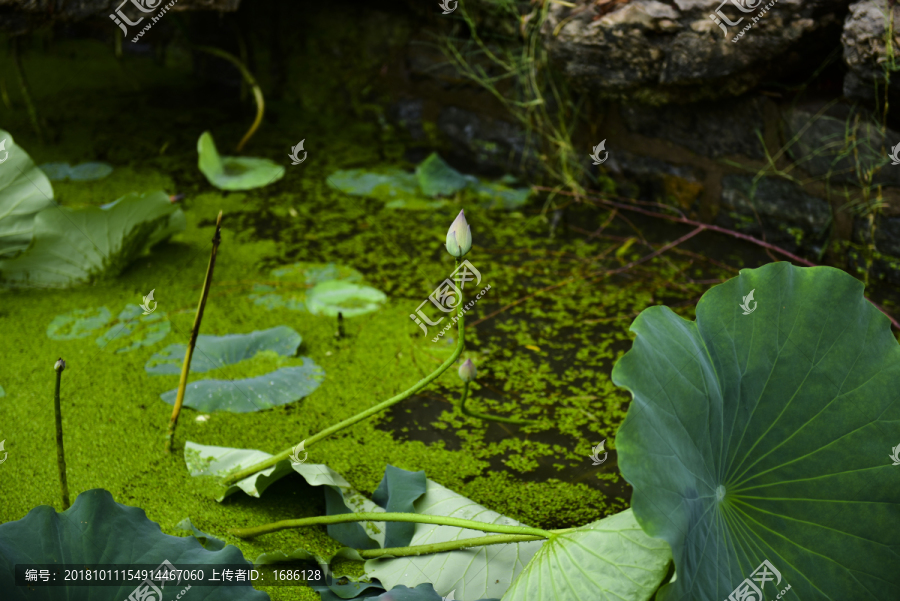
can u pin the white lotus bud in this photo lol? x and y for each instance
(467, 371)
(459, 236)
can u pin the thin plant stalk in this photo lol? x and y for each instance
(186, 366)
(60, 454)
(251, 81)
(285, 454)
(24, 89)
(493, 418)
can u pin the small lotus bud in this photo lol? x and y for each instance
(60, 365)
(459, 236)
(467, 371)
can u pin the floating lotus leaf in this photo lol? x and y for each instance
(333, 297)
(133, 330)
(79, 246)
(761, 432)
(234, 173)
(316, 273)
(608, 560)
(78, 323)
(321, 289)
(437, 178)
(97, 530)
(433, 178)
(81, 173)
(280, 387)
(391, 185)
(212, 352)
(24, 192)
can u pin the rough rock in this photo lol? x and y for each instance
(710, 129)
(865, 47)
(646, 178)
(886, 259)
(829, 145)
(485, 139)
(407, 113)
(659, 53)
(790, 217)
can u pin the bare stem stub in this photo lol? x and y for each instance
(60, 454)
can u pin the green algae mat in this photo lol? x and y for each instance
(747, 415)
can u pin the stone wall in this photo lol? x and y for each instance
(690, 117)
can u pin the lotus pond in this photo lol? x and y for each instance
(732, 436)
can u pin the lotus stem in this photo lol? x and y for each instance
(285, 454)
(493, 418)
(5, 94)
(372, 516)
(186, 366)
(251, 81)
(26, 93)
(60, 454)
(480, 541)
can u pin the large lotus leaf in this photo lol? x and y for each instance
(608, 560)
(78, 323)
(280, 387)
(437, 178)
(204, 460)
(78, 246)
(234, 173)
(97, 530)
(472, 573)
(761, 431)
(333, 297)
(133, 329)
(2, 392)
(24, 192)
(209, 542)
(423, 592)
(212, 352)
